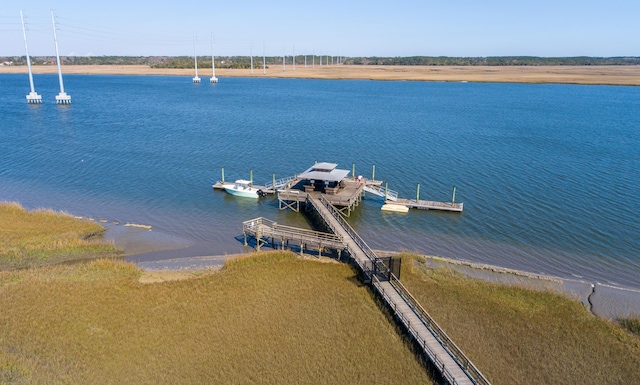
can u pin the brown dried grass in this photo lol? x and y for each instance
(613, 75)
(270, 318)
(520, 336)
(40, 237)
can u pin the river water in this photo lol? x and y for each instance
(549, 174)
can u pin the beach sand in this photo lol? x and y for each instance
(610, 75)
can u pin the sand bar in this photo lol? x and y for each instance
(609, 75)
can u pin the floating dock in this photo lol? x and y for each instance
(429, 205)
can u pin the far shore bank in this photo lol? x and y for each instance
(588, 75)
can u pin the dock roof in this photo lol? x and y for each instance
(324, 171)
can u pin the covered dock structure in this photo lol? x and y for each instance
(324, 179)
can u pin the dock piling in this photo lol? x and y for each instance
(453, 197)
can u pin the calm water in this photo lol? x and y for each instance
(549, 174)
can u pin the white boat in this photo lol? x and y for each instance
(243, 188)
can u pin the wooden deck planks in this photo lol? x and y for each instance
(344, 237)
(429, 205)
(441, 358)
(261, 228)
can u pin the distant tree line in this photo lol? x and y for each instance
(494, 61)
(245, 61)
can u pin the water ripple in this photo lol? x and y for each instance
(548, 173)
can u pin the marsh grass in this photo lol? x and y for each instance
(41, 237)
(631, 324)
(519, 336)
(272, 318)
(269, 318)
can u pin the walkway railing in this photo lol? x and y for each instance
(447, 343)
(444, 339)
(279, 183)
(368, 252)
(433, 356)
(265, 227)
(383, 192)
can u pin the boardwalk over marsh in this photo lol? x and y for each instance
(454, 366)
(445, 355)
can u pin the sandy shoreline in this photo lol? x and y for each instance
(605, 75)
(605, 301)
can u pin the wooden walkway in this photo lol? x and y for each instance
(265, 231)
(454, 366)
(443, 353)
(429, 205)
(354, 245)
(345, 200)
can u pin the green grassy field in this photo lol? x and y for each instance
(41, 237)
(519, 336)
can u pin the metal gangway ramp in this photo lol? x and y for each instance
(454, 366)
(280, 183)
(383, 192)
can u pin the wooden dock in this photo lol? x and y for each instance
(345, 199)
(438, 347)
(267, 232)
(327, 192)
(391, 196)
(429, 205)
(454, 366)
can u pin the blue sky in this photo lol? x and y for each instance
(329, 27)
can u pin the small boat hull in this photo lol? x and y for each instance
(242, 188)
(241, 193)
